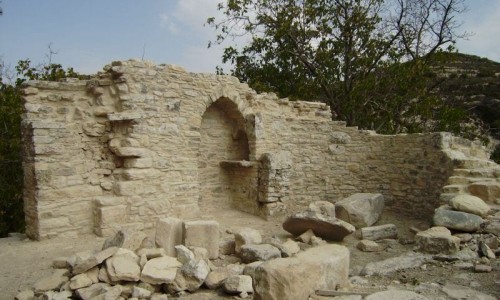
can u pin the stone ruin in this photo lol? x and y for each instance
(141, 142)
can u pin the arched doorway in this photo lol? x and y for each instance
(227, 177)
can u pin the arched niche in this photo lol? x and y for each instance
(227, 177)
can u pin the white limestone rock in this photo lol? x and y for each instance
(141, 293)
(361, 209)
(184, 255)
(470, 204)
(437, 240)
(94, 260)
(238, 284)
(123, 268)
(160, 270)
(80, 281)
(246, 236)
(194, 273)
(250, 253)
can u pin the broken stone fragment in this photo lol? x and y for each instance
(184, 255)
(94, 260)
(246, 236)
(53, 282)
(361, 209)
(325, 227)
(324, 267)
(470, 204)
(250, 253)
(457, 220)
(80, 281)
(369, 246)
(288, 248)
(169, 234)
(486, 251)
(374, 233)
(160, 270)
(437, 240)
(125, 239)
(195, 272)
(140, 293)
(123, 268)
(92, 291)
(238, 284)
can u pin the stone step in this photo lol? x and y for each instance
(467, 180)
(454, 188)
(474, 163)
(478, 172)
(489, 191)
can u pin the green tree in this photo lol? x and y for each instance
(367, 59)
(11, 109)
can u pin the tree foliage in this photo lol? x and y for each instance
(11, 109)
(367, 59)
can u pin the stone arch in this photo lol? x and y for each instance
(226, 173)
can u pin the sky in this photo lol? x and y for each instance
(87, 35)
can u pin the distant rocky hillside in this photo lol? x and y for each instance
(473, 83)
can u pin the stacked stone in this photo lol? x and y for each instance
(180, 260)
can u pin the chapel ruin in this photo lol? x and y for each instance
(141, 142)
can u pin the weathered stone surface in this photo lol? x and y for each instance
(462, 292)
(80, 281)
(361, 209)
(246, 236)
(203, 234)
(184, 255)
(238, 284)
(250, 253)
(125, 239)
(53, 282)
(251, 267)
(469, 204)
(123, 268)
(25, 295)
(92, 291)
(487, 190)
(323, 207)
(325, 227)
(288, 248)
(160, 270)
(437, 240)
(374, 233)
(369, 246)
(396, 294)
(325, 267)
(194, 272)
(387, 266)
(169, 234)
(457, 220)
(216, 278)
(94, 260)
(140, 293)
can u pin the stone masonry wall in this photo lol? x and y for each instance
(142, 141)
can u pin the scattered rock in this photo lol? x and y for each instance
(324, 267)
(457, 220)
(195, 273)
(94, 260)
(386, 231)
(486, 251)
(80, 281)
(125, 239)
(238, 284)
(160, 270)
(123, 267)
(323, 208)
(93, 291)
(328, 228)
(393, 264)
(361, 209)
(184, 255)
(288, 248)
(396, 294)
(437, 240)
(246, 236)
(369, 246)
(250, 253)
(480, 268)
(141, 293)
(469, 204)
(461, 292)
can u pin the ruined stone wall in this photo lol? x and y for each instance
(143, 141)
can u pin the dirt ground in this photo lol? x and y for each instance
(23, 262)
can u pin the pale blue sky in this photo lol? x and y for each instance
(89, 34)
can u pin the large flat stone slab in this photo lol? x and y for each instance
(326, 227)
(361, 209)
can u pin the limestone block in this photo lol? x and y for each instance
(123, 268)
(80, 281)
(325, 227)
(140, 163)
(469, 204)
(111, 215)
(250, 252)
(169, 234)
(94, 260)
(361, 209)
(131, 240)
(369, 246)
(246, 236)
(320, 268)
(437, 240)
(457, 220)
(238, 284)
(386, 231)
(489, 191)
(203, 234)
(160, 270)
